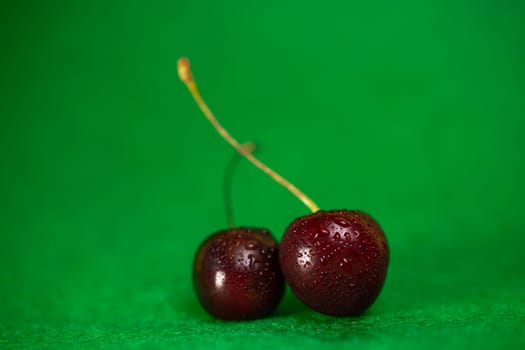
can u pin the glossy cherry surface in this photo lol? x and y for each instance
(236, 274)
(335, 261)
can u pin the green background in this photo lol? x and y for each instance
(110, 177)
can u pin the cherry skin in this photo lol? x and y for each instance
(236, 274)
(335, 261)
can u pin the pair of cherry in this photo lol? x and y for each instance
(334, 261)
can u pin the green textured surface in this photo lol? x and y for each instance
(110, 177)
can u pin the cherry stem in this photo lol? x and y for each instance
(186, 76)
(227, 181)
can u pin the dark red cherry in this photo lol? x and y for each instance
(335, 261)
(236, 274)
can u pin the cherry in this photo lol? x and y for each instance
(236, 274)
(335, 261)
(236, 271)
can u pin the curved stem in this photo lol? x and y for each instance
(227, 181)
(186, 76)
